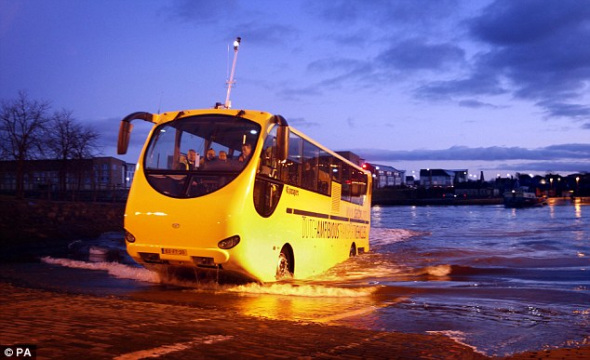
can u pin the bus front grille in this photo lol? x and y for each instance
(201, 261)
(152, 258)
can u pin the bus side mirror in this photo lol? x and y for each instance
(124, 135)
(282, 138)
(126, 127)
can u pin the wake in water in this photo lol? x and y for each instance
(114, 269)
(344, 280)
(385, 236)
(122, 271)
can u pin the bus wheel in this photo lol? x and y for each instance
(285, 264)
(352, 250)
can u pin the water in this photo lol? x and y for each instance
(500, 280)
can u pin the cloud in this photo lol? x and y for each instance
(541, 48)
(559, 109)
(358, 38)
(403, 58)
(534, 50)
(267, 34)
(382, 12)
(335, 64)
(338, 70)
(300, 123)
(295, 93)
(418, 54)
(201, 12)
(545, 166)
(475, 104)
(108, 130)
(508, 23)
(483, 84)
(494, 153)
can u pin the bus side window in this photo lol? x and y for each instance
(336, 170)
(294, 166)
(267, 192)
(324, 169)
(268, 156)
(346, 182)
(310, 166)
(358, 187)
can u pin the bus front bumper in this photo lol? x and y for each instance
(200, 257)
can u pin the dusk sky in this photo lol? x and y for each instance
(494, 86)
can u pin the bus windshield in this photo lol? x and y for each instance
(197, 155)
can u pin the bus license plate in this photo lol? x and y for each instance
(167, 251)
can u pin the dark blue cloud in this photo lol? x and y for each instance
(494, 153)
(510, 23)
(540, 47)
(476, 104)
(483, 84)
(545, 166)
(418, 54)
(559, 109)
(382, 12)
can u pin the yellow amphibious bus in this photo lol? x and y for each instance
(240, 192)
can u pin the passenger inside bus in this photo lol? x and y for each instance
(223, 156)
(209, 157)
(192, 159)
(246, 152)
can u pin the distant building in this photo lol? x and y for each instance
(111, 172)
(99, 173)
(441, 177)
(352, 157)
(384, 175)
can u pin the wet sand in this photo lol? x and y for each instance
(64, 325)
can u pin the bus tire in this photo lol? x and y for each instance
(285, 264)
(352, 250)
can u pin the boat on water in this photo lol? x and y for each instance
(522, 197)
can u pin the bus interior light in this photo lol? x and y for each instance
(229, 243)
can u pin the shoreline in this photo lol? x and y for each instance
(77, 326)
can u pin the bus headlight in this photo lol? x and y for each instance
(229, 243)
(129, 237)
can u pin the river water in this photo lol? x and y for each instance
(500, 280)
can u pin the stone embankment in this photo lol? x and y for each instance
(26, 225)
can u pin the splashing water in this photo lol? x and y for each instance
(316, 291)
(117, 270)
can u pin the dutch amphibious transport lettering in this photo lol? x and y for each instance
(313, 228)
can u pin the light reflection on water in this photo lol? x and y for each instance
(501, 280)
(511, 271)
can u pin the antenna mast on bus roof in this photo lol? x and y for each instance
(231, 80)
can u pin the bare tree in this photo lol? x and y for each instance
(67, 140)
(22, 123)
(86, 145)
